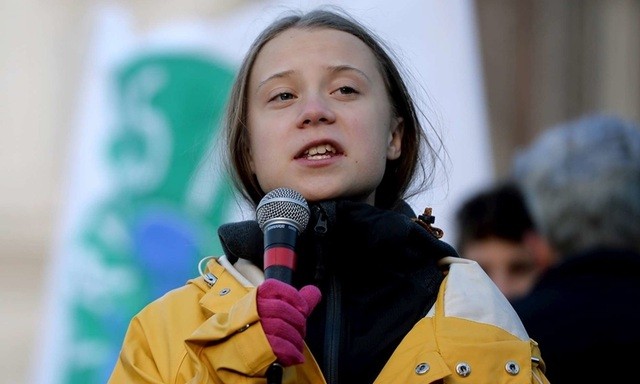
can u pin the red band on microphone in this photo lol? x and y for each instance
(280, 256)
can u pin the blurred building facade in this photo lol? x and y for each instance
(546, 61)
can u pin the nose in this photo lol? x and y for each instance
(315, 110)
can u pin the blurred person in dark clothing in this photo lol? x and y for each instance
(582, 183)
(495, 229)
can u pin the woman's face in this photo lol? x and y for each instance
(319, 118)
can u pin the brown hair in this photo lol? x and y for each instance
(399, 174)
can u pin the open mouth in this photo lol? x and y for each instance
(318, 152)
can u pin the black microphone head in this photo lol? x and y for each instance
(283, 205)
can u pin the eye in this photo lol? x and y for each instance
(282, 96)
(346, 90)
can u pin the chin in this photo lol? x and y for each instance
(315, 197)
(318, 194)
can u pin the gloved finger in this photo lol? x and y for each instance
(282, 330)
(276, 289)
(285, 352)
(292, 318)
(312, 296)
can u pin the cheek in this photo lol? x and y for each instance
(263, 156)
(255, 139)
(256, 152)
(264, 135)
(370, 131)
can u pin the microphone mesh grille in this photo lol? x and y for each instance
(285, 204)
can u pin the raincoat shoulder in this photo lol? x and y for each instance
(471, 334)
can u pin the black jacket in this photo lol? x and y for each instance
(377, 272)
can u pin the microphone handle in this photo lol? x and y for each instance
(279, 272)
(279, 264)
(279, 252)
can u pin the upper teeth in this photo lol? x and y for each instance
(320, 149)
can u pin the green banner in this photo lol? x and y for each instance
(167, 195)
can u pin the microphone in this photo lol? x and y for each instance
(282, 215)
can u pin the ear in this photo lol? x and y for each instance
(394, 149)
(543, 253)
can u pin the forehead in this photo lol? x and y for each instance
(297, 48)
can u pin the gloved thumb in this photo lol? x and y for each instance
(311, 294)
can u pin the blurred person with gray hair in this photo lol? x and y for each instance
(581, 180)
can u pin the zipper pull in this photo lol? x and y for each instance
(321, 224)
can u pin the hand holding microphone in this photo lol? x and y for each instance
(282, 214)
(283, 314)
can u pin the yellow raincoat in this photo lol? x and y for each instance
(471, 335)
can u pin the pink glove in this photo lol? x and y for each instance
(283, 314)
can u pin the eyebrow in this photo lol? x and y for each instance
(277, 75)
(348, 68)
(332, 69)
